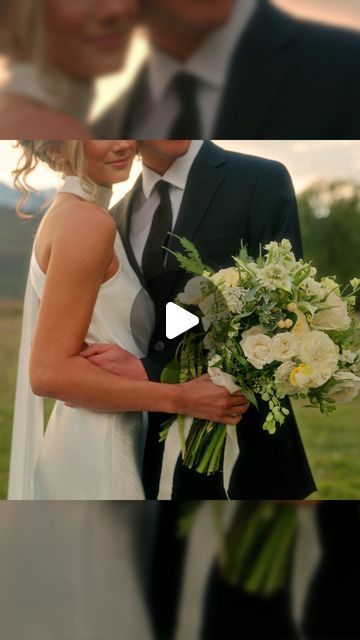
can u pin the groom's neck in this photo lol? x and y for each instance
(157, 165)
(179, 46)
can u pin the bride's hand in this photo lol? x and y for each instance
(206, 400)
(115, 359)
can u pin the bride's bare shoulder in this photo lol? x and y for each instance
(22, 118)
(74, 216)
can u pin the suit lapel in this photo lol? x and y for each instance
(205, 178)
(121, 213)
(262, 63)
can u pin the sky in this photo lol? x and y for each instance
(306, 160)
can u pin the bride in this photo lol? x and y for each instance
(55, 50)
(81, 289)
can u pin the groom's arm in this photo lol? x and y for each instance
(274, 212)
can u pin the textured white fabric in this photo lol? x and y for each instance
(69, 571)
(72, 185)
(84, 455)
(51, 90)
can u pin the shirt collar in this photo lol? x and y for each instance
(176, 175)
(210, 62)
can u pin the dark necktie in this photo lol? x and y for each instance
(166, 570)
(154, 254)
(187, 125)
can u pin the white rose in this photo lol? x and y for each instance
(282, 377)
(301, 326)
(347, 387)
(192, 291)
(229, 277)
(285, 346)
(258, 350)
(321, 353)
(257, 328)
(336, 317)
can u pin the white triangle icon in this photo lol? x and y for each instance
(178, 320)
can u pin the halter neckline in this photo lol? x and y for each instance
(73, 185)
(52, 90)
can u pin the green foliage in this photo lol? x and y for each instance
(191, 261)
(330, 225)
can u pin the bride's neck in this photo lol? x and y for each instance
(50, 88)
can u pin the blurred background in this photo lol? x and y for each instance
(77, 570)
(326, 178)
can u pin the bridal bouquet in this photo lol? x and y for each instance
(255, 545)
(271, 328)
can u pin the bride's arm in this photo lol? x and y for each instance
(80, 256)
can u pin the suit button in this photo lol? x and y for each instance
(159, 345)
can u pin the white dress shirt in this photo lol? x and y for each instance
(209, 65)
(149, 199)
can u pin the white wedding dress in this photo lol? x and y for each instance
(73, 571)
(50, 89)
(84, 455)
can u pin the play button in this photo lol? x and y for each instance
(178, 320)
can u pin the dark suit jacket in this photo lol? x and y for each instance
(288, 79)
(229, 198)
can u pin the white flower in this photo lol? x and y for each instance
(234, 297)
(336, 317)
(303, 377)
(285, 346)
(301, 326)
(192, 291)
(258, 328)
(275, 276)
(229, 277)
(280, 252)
(282, 377)
(312, 288)
(347, 387)
(355, 283)
(207, 303)
(330, 285)
(258, 350)
(347, 356)
(319, 352)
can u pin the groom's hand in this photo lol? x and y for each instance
(115, 359)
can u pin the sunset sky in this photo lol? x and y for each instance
(307, 160)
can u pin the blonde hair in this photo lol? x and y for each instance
(63, 156)
(22, 32)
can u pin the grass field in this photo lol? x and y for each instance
(332, 444)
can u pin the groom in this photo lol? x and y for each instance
(239, 69)
(217, 199)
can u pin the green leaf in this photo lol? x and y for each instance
(249, 395)
(171, 373)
